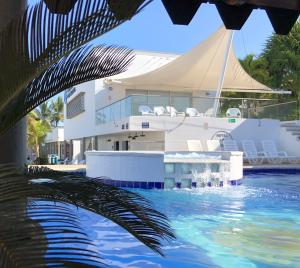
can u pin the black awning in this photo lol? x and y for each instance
(282, 13)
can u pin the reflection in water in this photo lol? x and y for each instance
(254, 225)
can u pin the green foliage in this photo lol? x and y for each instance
(37, 130)
(40, 226)
(283, 56)
(57, 109)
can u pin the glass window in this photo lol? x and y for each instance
(214, 167)
(186, 183)
(186, 168)
(75, 106)
(200, 168)
(169, 183)
(169, 168)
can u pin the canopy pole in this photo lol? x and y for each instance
(221, 81)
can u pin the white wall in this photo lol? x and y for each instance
(179, 129)
(289, 142)
(57, 134)
(82, 125)
(126, 166)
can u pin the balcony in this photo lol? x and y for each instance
(246, 107)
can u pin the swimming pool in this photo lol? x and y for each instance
(253, 225)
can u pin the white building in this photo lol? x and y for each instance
(123, 112)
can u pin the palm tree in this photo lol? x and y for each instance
(257, 68)
(37, 131)
(43, 112)
(57, 109)
(41, 55)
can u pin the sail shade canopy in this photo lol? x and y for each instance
(198, 70)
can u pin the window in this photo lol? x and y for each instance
(186, 168)
(75, 106)
(169, 168)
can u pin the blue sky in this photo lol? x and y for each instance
(153, 30)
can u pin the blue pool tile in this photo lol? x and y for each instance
(123, 183)
(233, 183)
(130, 184)
(157, 185)
(194, 184)
(150, 185)
(178, 184)
(137, 184)
(144, 185)
(209, 184)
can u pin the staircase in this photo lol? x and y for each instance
(293, 128)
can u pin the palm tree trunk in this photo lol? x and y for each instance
(13, 145)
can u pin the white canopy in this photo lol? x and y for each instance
(199, 69)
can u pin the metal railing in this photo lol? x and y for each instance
(249, 107)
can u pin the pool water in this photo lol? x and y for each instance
(253, 225)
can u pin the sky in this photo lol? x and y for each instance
(152, 30)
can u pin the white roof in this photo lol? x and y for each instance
(198, 69)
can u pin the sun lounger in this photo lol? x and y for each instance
(251, 155)
(213, 145)
(173, 112)
(274, 156)
(145, 110)
(194, 145)
(193, 112)
(230, 145)
(233, 112)
(160, 110)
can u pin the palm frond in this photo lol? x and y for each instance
(51, 233)
(84, 64)
(38, 39)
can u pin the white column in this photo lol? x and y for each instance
(223, 72)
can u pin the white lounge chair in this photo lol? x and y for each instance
(230, 145)
(160, 110)
(234, 112)
(251, 155)
(213, 145)
(274, 156)
(194, 145)
(193, 112)
(209, 112)
(145, 110)
(173, 112)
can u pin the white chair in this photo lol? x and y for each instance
(213, 145)
(145, 110)
(251, 154)
(209, 112)
(234, 112)
(230, 145)
(193, 112)
(194, 145)
(274, 156)
(173, 112)
(160, 110)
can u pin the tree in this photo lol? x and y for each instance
(43, 112)
(37, 131)
(57, 109)
(41, 55)
(256, 68)
(282, 54)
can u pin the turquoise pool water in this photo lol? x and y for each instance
(253, 225)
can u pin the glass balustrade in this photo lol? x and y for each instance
(202, 106)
